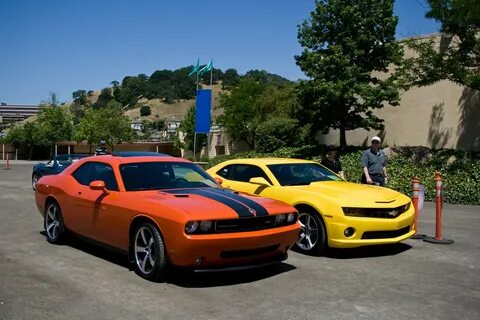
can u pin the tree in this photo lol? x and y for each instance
(145, 111)
(347, 45)
(54, 123)
(115, 127)
(230, 78)
(89, 128)
(187, 128)
(239, 107)
(277, 132)
(104, 98)
(456, 57)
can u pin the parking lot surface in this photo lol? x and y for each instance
(411, 280)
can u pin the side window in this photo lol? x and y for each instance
(92, 171)
(225, 172)
(244, 172)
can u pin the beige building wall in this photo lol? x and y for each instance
(443, 115)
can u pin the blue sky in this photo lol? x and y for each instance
(64, 45)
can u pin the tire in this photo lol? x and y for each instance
(149, 257)
(35, 178)
(313, 234)
(53, 223)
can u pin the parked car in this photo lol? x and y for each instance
(53, 166)
(332, 212)
(162, 210)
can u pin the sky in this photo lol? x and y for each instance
(61, 46)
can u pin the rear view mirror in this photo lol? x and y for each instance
(259, 180)
(99, 185)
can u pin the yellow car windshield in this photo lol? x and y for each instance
(297, 174)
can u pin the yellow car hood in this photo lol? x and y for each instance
(348, 194)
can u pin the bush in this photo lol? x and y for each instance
(145, 111)
(460, 170)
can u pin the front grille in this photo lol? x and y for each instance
(386, 213)
(248, 253)
(385, 234)
(244, 224)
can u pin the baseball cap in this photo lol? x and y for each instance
(376, 138)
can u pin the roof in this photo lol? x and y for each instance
(268, 161)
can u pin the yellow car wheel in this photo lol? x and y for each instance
(313, 234)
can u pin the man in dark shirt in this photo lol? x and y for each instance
(331, 161)
(374, 164)
(102, 149)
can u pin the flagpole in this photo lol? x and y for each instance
(194, 146)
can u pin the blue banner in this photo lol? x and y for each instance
(203, 107)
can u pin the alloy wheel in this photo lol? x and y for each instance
(309, 232)
(145, 250)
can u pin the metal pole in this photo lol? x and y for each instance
(194, 146)
(56, 149)
(68, 149)
(3, 151)
(16, 154)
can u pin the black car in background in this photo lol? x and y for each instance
(54, 166)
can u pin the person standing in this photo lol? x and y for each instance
(101, 149)
(331, 161)
(374, 164)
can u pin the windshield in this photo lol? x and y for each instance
(164, 175)
(296, 174)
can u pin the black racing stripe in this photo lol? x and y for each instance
(260, 210)
(239, 208)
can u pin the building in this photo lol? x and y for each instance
(10, 113)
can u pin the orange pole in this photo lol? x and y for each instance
(415, 195)
(7, 166)
(438, 202)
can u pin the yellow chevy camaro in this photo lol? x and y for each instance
(332, 212)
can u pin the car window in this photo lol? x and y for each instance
(290, 174)
(164, 175)
(244, 172)
(92, 171)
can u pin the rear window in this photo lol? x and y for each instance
(164, 175)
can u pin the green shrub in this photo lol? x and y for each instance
(145, 111)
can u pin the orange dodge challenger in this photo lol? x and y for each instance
(162, 211)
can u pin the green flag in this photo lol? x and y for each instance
(206, 68)
(195, 68)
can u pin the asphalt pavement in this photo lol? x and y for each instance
(411, 280)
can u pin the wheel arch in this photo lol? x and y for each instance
(138, 220)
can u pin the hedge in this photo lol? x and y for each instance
(460, 170)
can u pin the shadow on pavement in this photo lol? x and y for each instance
(189, 279)
(178, 276)
(368, 251)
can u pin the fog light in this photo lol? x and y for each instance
(199, 261)
(349, 232)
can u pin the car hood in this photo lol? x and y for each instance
(355, 195)
(213, 203)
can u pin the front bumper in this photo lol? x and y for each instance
(238, 250)
(369, 231)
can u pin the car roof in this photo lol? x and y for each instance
(116, 159)
(139, 154)
(268, 161)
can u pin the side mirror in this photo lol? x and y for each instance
(99, 185)
(259, 180)
(218, 180)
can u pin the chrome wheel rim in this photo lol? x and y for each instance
(52, 222)
(145, 250)
(309, 232)
(34, 182)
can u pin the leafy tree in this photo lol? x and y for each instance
(239, 108)
(54, 123)
(346, 44)
(457, 56)
(115, 126)
(266, 77)
(187, 129)
(89, 129)
(276, 133)
(15, 136)
(104, 98)
(230, 78)
(80, 97)
(145, 111)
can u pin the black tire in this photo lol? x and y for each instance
(148, 251)
(313, 236)
(35, 178)
(53, 223)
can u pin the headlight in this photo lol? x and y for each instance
(205, 225)
(290, 217)
(279, 218)
(191, 227)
